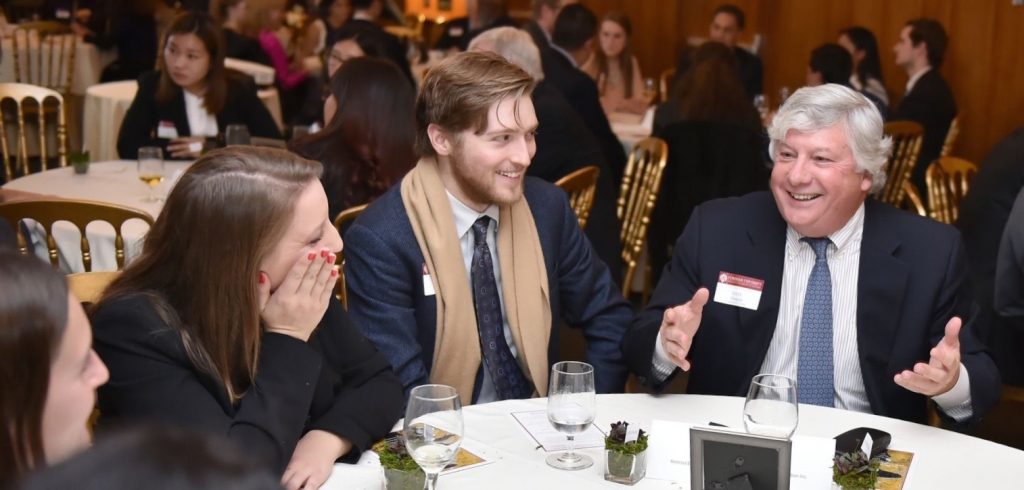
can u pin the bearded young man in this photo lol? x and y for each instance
(461, 272)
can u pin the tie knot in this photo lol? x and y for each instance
(819, 245)
(480, 229)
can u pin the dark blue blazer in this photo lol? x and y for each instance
(384, 274)
(913, 279)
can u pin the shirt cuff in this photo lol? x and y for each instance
(957, 401)
(662, 367)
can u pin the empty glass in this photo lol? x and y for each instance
(771, 408)
(433, 428)
(236, 134)
(571, 409)
(650, 89)
(151, 169)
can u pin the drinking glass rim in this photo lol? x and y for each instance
(556, 368)
(789, 382)
(412, 393)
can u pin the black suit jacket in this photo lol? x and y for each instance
(457, 33)
(931, 104)
(912, 280)
(984, 214)
(139, 128)
(336, 382)
(750, 70)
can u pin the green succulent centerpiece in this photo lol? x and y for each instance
(80, 161)
(626, 461)
(855, 471)
(400, 471)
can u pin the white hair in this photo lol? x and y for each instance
(514, 45)
(812, 109)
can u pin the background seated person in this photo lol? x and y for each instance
(615, 69)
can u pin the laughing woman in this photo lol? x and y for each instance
(191, 96)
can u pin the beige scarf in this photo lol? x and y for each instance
(524, 283)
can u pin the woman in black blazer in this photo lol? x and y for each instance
(191, 97)
(227, 321)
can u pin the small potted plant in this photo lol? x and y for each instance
(625, 460)
(400, 471)
(854, 471)
(80, 161)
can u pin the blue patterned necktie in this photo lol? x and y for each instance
(814, 368)
(508, 378)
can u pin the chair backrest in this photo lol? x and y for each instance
(665, 83)
(46, 212)
(913, 201)
(637, 197)
(88, 287)
(341, 222)
(951, 135)
(581, 185)
(906, 144)
(18, 164)
(948, 179)
(44, 54)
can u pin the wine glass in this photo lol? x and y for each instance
(571, 409)
(761, 104)
(433, 428)
(151, 169)
(236, 134)
(650, 90)
(771, 407)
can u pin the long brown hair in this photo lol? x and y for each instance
(625, 57)
(33, 317)
(710, 90)
(201, 260)
(209, 33)
(368, 145)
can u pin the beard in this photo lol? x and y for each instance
(480, 185)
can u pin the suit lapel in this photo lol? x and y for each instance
(881, 284)
(763, 258)
(174, 110)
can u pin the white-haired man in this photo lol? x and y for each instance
(864, 305)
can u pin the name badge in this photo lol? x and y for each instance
(737, 290)
(428, 285)
(456, 32)
(166, 130)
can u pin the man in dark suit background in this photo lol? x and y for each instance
(564, 144)
(984, 214)
(460, 273)
(364, 23)
(867, 307)
(726, 25)
(928, 99)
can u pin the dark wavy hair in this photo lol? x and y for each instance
(368, 145)
(711, 91)
(33, 317)
(864, 40)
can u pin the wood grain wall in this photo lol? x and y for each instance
(984, 63)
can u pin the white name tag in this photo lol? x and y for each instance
(166, 130)
(428, 285)
(737, 290)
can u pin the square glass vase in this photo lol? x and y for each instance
(404, 480)
(624, 468)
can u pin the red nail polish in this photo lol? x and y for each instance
(312, 255)
(263, 279)
(334, 272)
(332, 258)
(323, 253)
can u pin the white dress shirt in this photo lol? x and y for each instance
(464, 219)
(783, 351)
(914, 78)
(200, 122)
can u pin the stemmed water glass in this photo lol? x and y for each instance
(771, 408)
(571, 409)
(433, 428)
(151, 169)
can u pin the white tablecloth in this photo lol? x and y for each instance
(631, 128)
(88, 63)
(114, 182)
(107, 103)
(942, 459)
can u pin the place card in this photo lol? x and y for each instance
(537, 426)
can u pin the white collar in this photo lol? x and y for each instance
(362, 15)
(840, 238)
(915, 77)
(466, 216)
(566, 54)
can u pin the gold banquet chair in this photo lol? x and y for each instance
(951, 136)
(16, 158)
(665, 83)
(46, 212)
(44, 55)
(906, 145)
(581, 185)
(341, 222)
(637, 197)
(948, 180)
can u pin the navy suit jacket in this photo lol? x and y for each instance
(931, 104)
(913, 279)
(384, 274)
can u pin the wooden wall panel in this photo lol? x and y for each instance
(984, 62)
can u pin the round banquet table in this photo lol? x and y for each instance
(114, 182)
(942, 459)
(107, 103)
